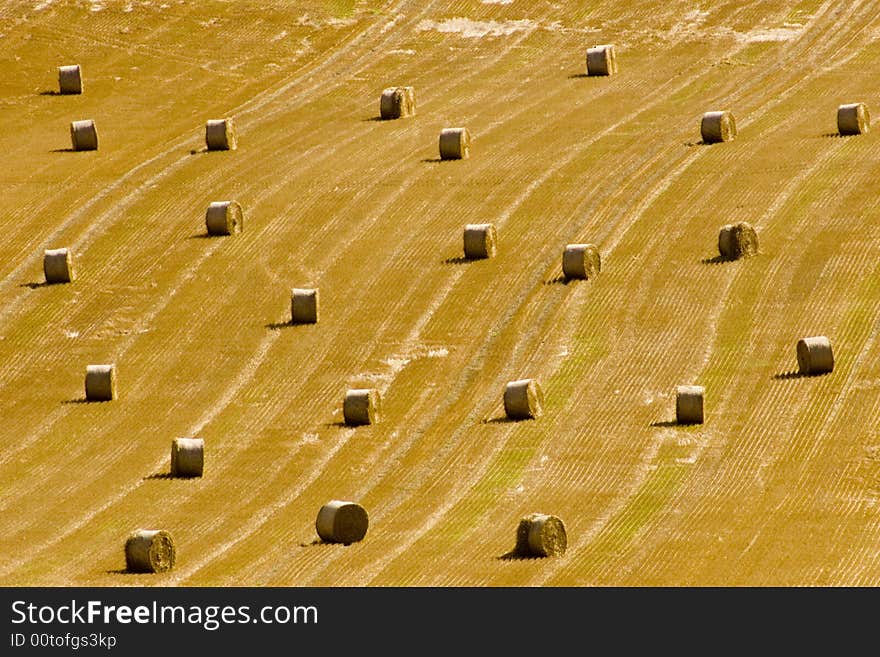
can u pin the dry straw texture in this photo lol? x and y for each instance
(339, 521)
(149, 551)
(101, 382)
(540, 535)
(84, 135)
(717, 126)
(814, 355)
(455, 144)
(187, 457)
(70, 79)
(601, 60)
(303, 306)
(580, 261)
(361, 406)
(57, 266)
(853, 119)
(523, 399)
(220, 135)
(480, 241)
(737, 240)
(689, 404)
(224, 218)
(397, 103)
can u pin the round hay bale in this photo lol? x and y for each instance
(523, 399)
(101, 382)
(480, 241)
(601, 60)
(853, 119)
(397, 103)
(455, 144)
(149, 551)
(737, 240)
(361, 406)
(540, 535)
(187, 457)
(814, 355)
(70, 79)
(339, 521)
(84, 135)
(57, 266)
(224, 218)
(220, 135)
(303, 306)
(581, 261)
(689, 404)
(717, 127)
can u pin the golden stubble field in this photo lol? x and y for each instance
(779, 486)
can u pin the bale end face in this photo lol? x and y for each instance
(480, 241)
(717, 126)
(601, 60)
(540, 535)
(70, 79)
(853, 119)
(523, 400)
(57, 266)
(689, 404)
(149, 551)
(101, 382)
(187, 457)
(814, 355)
(580, 261)
(361, 406)
(737, 241)
(220, 135)
(224, 218)
(455, 144)
(397, 103)
(343, 522)
(303, 306)
(84, 135)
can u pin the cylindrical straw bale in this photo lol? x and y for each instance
(580, 261)
(70, 79)
(339, 521)
(689, 404)
(397, 103)
(455, 144)
(361, 406)
(717, 126)
(480, 241)
(187, 457)
(220, 135)
(57, 266)
(523, 399)
(814, 355)
(540, 535)
(149, 551)
(84, 135)
(737, 240)
(853, 119)
(224, 218)
(601, 60)
(101, 382)
(303, 306)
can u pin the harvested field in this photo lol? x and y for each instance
(778, 486)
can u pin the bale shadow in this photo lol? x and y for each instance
(559, 280)
(35, 286)
(201, 236)
(717, 260)
(434, 160)
(277, 326)
(52, 92)
(122, 571)
(159, 475)
(373, 119)
(793, 374)
(80, 400)
(578, 76)
(833, 135)
(198, 151)
(513, 555)
(337, 424)
(318, 542)
(64, 150)
(456, 260)
(503, 419)
(666, 423)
